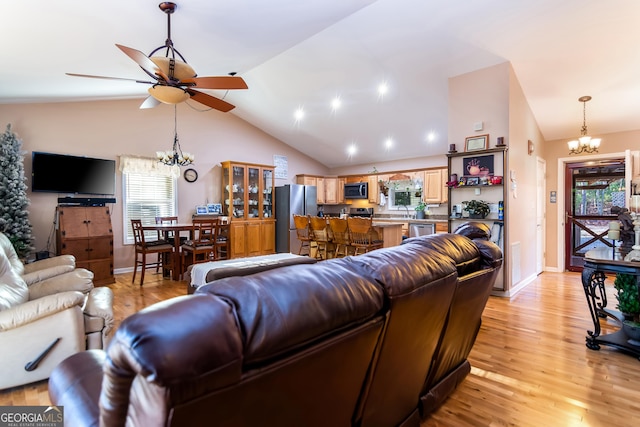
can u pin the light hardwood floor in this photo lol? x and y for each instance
(530, 366)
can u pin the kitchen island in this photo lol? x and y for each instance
(390, 232)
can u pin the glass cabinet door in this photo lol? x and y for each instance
(253, 192)
(267, 193)
(239, 208)
(227, 210)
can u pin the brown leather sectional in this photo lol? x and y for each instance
(380, 339)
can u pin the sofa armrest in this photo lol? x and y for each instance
(44, 274)
(56, 261)
(33, 310)
(100, 304)
(80, 280)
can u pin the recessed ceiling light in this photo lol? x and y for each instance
(431, 136)
(383, 88)
(299, 114)
(352, 149)
(336, 103)
(388, 143)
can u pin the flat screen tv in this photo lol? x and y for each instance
(60, 173)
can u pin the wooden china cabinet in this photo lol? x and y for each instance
(247, 191)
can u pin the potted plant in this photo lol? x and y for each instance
(420, 210)
(628, 304)
(476, 208)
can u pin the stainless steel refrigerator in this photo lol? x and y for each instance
(292, 199)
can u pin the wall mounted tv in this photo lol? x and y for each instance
(59, 173)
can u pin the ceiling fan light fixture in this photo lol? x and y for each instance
(168, 94)
(181, 70)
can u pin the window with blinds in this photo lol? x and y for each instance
(147, 194)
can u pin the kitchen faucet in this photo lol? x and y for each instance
(407, 209)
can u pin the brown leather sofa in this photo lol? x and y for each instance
(355, 341)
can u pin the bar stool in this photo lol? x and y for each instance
(341, 240)
(363, 237)
(303, 233)
(321, 235)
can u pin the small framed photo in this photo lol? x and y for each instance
(473, 180)
(475, 143)
(462, 181)
(214, 208)
(201, 210)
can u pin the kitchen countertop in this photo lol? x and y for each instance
(427, 220)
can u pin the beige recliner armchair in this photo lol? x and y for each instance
(49, 310)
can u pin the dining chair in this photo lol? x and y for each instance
(321, 235)
(143, 247)
(364, 237)
(201, 246)
(167, 236)
(303, 233)
(341, 240)
(222, 241)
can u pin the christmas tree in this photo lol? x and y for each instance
(14, 216)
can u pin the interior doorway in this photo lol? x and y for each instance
(591, 189)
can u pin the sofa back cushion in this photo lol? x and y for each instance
(284, 309)
(13, 290)
(459, 248)
(419, 283)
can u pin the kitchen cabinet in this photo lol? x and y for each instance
(331, 196)
(248, 203)
(85, 232)
(329, 189)
(434, 186)
(494, 160)
(374, 189)
(316, 181)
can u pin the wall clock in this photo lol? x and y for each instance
(190, 175)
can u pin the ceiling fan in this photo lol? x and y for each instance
(174, 80)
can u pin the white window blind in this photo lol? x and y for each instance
(149, 190)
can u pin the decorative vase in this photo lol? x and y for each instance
(419, 214)
(476, 216)
(632, 330)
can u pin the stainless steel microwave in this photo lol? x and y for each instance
(357, 190)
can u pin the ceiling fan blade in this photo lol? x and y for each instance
(108, 78)
(150, 102)
(210, 101)
(220, 82)
(143, 61)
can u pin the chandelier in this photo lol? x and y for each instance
(175, 156)
(584, 144)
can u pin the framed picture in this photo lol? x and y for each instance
(473, 180)
(475, 143)
(478, 165)
(214, 208)
(201, 210)
(462, 181)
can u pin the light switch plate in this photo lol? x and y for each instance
(478, 126)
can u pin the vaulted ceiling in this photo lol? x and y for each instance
(303, 54)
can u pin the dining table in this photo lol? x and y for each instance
(176, 228)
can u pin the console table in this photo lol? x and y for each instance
(597, 262)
